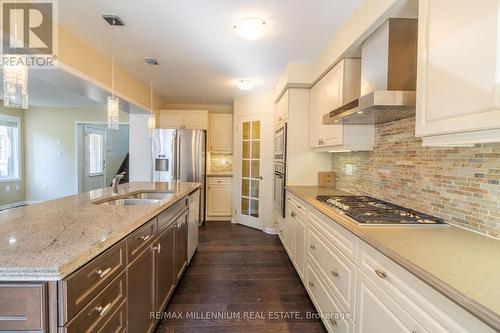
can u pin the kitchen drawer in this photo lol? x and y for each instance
(219, 181)
(97, 313)
(333, 315)
(22, 307)
(345, 241)
(82, 286)
(166, 217)
(139, 239)
(432, 310)
(117, 323)
(338, 272)
(297, 205)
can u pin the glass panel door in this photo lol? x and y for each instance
(250, 168)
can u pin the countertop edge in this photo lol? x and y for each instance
(473, 307)
(22, 274)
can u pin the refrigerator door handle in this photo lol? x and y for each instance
(176, 154)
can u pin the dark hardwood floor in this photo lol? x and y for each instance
(240, 280)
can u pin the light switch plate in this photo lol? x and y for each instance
(7, 188)
(349, 169)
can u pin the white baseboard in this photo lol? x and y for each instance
(270, 231)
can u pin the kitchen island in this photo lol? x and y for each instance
(73, 264)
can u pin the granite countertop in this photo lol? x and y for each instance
(50, 240)
(462, 265)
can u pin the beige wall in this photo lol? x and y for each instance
(14, 195)
(51, 150)
(81, 59)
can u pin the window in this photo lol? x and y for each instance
(9, 148)
(96, 165)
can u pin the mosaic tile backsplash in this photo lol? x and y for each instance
(460, 185)
(221, 162)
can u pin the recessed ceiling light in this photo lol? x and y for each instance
(245, 84)
(250, 28)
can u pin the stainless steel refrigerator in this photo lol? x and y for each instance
(179, 156)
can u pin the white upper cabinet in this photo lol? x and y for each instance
(282, 107)
(341, 85)
(458, 95)
(221, 133)
(190, 119)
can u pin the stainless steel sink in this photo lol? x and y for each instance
(150, 195)
(130, 202)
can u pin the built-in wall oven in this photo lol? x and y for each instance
(280, 169)
(279, 187)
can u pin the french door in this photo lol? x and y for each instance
(249, 203)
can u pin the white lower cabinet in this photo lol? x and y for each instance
(332, 314)
(378, 313)
(356, 288)
(219, 198)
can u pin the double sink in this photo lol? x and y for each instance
(142, 198)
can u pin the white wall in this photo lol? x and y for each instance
(51, 149)
(140, 165)
(253, 104)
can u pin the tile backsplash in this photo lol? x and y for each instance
(221, 162)
(460, 185)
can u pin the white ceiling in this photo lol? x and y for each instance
(200, 56)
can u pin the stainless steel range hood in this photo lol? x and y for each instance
(388, 77)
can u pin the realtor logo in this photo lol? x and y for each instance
(29, 28)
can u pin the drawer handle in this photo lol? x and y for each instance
(335, 274)
(311, 285)
(144, 238)
(102, 310)
(312, 247)
(102, 273)
(157, 248)
(333, 322)
(299, 206)
(381, 274)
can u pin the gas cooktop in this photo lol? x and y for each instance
(368, 210)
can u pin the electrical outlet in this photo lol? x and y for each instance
(7, 188)
(349, 169)
(18, 188)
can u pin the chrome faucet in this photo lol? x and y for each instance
(116, 182)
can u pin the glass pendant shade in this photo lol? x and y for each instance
(151, 124)
(15, 83)
(113, 112)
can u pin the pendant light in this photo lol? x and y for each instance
(113, 107)
(15, 78)
(152, 117)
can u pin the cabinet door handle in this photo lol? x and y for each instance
(335, 274)
(311, 285)
(157, 248)
(381, 274)
(292, 214)
(333, 322)
(101, 310)
(102, 273)
(312, 247)
(144, 238)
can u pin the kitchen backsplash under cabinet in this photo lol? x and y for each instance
(460, 185)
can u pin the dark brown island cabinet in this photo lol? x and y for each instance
(122, 290)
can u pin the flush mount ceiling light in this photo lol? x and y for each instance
(250, 28)
(245, 84)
